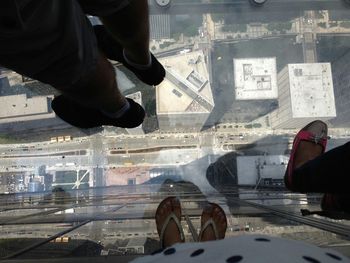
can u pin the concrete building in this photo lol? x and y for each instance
(163, 3)
(160, 23)
(20, 108)
(184, 98)
(255, 78)
(341, 82)
(4, 83)
(261, 170)
(305, 94)
(137, 97)
(19, 113)
(160, 26)
(128, 175)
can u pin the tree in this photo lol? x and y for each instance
(217, 17)
(322, 24)
(279, 26)
(345, 24)
(191, 31)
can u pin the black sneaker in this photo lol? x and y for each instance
(85, 118)
(114, 51)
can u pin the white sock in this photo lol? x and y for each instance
(138, 66)
(119, 113)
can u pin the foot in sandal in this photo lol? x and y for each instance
(213, 223)
(168, 220)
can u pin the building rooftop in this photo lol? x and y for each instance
(186, 88)
(311, 90)
(255, 78)
(160, 26)
(252, 168)
(125, 175)
(20, 108)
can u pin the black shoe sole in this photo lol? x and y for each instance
(83, 117)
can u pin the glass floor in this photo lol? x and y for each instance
(242, 78)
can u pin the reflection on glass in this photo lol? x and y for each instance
(240, 83)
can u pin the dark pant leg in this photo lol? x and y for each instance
(336, 202)
(329, 173)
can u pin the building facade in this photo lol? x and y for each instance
(341, 82)
(184, 98)
(305, 94)
(267, 171)
(21, 113)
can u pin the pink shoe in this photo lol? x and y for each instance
(313, 132)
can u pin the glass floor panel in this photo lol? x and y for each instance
(242, 78)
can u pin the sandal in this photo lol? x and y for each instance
(210, 223)
(171, 216)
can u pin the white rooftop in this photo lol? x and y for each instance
(187, 77)
(250, 168)
(311, 90)
(137, 97)
(17, 106)
(255, 78)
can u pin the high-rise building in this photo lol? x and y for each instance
(159, 23)
(160, 26)
(305, 94)
(341, 82)
(255, 78)
(184, 98)
(261, 170)
(19, 112)
(4, 84)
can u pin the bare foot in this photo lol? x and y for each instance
(213, 211)
(172, 234)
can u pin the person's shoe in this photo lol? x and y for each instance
(153, 75)
(85, 118)
(309, 143)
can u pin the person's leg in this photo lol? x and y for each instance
(336, 203)
(98, 89)
(130, 27)
(124, 36)
(328, 173)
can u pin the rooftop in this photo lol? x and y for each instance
(311, 90)
(186, 88)
(137, 97)
(23, 108)
(255, 78)
(251, 168)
